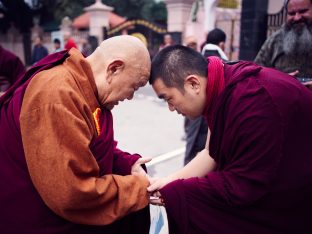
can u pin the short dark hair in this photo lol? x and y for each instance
(216, 36)
(56, 40)
(174, 63)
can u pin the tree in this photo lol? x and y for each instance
(21, 15)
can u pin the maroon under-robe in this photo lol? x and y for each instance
(261, 136)
(22, 210)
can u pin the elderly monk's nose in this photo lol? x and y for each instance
(130, 97)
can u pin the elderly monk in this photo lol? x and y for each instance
(61, 171)
(257, 175)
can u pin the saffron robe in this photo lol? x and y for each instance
(58, 175)
(261, 142)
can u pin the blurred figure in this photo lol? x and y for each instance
(69, 42)
(93, 42)
(191, 41)
(167, 41)
(57, 45)
(11, 68)
(215, 44)
(289, 49)
(86, 48)
(196, 129)
(39, 50)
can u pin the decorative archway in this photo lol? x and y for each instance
(149, 32)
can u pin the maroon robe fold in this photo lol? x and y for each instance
(261, 141)
(22, 209)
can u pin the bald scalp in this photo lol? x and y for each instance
(126, 48)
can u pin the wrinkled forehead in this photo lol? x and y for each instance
(143, 68)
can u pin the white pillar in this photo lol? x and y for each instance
(178, 14)
(197, 28)
(99, 14)
(210, 12)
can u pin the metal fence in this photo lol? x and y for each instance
(275, 21)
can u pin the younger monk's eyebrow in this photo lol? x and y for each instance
(161, 96)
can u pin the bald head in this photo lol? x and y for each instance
(124, 47)
(118, 63)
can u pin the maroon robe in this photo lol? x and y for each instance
(11, 68)
(261, 136)
(22, 209)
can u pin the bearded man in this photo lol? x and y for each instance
(289, 49)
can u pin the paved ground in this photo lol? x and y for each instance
(145, 125)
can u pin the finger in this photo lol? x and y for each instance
(144, 160)
(152, 179)
(294, 73)
(158, 194)
(153, 187)
(157, 202)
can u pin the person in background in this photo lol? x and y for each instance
(57, 45)
(39, 50)
(60, 165)
(11, 69)
(69, 42)
(86, 48)
(215, 44)
(257, 175)
(289, 48)
(167, 41)
(196, 129)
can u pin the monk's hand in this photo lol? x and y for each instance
(137, 169)
(308, 84)
(157, 184)
(294, 73)
(156, 199)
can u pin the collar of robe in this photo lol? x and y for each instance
(215, 85)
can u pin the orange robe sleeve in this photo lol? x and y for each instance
(56, 132)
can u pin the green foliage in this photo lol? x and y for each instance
(145, 9)
(159, 12)
(18, 12)
(55, 10)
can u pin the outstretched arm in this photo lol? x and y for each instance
(200, 166)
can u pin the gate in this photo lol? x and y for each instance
(275, 21)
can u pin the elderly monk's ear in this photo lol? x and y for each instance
(192, 84)
(114, 68)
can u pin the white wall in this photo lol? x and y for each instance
(275, 6)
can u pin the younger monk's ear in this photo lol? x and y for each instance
(192, 84)
(114, 68)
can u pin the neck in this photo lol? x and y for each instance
(98, 71)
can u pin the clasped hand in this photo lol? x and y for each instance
(153, 189)
(155, 183)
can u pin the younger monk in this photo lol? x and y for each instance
(61, 171)
(257, 175)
